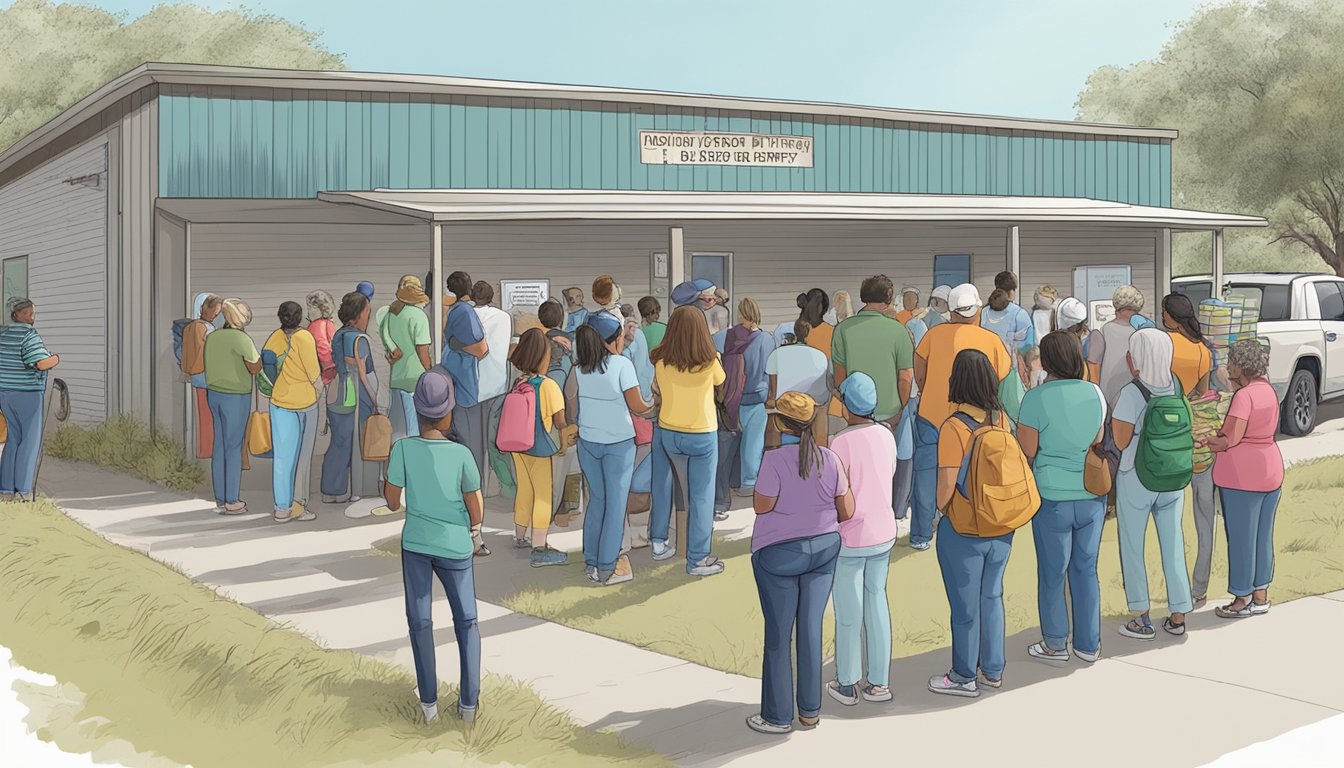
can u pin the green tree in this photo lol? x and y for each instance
(52, 55)
(1255, 89)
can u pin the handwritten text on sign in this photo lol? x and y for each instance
(755, 149)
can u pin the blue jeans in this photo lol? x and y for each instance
(973, 577)
(293, 435)
(336, 463)
(924, 481)
(18, 463)
(701, 453)
(230, 413)
(752, 418)
(417, 574)
(1134, 505)
(1068, 537)
(861, 608)
(1248, 518)
(404, 421)
(793, 579)
(608, 469)
(642, 479)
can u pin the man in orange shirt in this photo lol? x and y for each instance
(933, 372)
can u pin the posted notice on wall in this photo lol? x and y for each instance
(1102, 313)
(713, 148)
(521, 299)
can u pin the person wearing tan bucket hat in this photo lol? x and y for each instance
(403, 327)
(802, 495)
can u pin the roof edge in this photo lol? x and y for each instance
(151, 73)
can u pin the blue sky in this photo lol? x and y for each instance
(1025, 58)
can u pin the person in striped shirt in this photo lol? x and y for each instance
(24, 362)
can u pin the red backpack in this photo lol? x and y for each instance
(520, 427)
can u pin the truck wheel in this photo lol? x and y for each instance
(1299, 405)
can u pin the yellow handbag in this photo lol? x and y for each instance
(258, 433)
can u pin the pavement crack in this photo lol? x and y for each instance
(1228, 683)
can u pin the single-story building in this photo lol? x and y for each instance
(265, 184)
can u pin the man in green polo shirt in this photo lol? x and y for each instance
(875, 343)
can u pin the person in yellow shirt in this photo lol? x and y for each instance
(686, 372)
(933, 372)
(532, 502)
(294, 391)
(1192, 365)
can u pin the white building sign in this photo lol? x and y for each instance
(521, 299)
(712, 148)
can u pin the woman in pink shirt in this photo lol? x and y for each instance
(321, 308)
(1249, 477)
(867, 450)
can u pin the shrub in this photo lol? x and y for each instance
(127, 444)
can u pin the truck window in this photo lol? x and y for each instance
(1196, 292)
(1275, 300)
(1330, 299)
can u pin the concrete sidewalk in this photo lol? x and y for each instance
(1222, 687)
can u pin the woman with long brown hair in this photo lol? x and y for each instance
(686, 372)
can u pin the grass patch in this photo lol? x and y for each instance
(126, 444)
(181, 673)
(727, 631)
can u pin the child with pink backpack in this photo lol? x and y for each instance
(532, 408)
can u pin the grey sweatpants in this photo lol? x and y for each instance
(471, 428)
(1205, 498)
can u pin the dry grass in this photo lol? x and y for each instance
(184, 674)
(127, 444)
(716, 621)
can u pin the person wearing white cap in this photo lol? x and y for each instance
(933, 372)
(938, 306)
(1071, 317)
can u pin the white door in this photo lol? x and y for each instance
(1330, 301)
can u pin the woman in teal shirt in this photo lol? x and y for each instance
(1059, 423)
(443, 502)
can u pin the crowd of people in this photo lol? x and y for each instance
(970, 418)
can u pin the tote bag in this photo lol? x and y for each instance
(258, 433)
(377, 442)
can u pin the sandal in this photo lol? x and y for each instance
(1229, 612)
(1139, 629)
(1172, 627)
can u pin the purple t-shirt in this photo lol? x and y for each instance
(804, 508)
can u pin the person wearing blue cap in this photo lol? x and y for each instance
(366, 288)
(685, 294)
(443, 504)
(867, 451)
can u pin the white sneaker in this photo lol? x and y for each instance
(1039, 651)
(662, 550)
(759, 725)
(431, 711)
(1090, 658)
(945, 685)
(468, 714)
(710, 566)
(845, 694)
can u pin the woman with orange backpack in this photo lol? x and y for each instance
(986, 491)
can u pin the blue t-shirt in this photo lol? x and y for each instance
(637, 352)
(1067, 414)
(21, 349)
(757, 388)
(604, 418)
(464, 326)
(575, 319)
(1013, 325)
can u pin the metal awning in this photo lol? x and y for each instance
(531, 205)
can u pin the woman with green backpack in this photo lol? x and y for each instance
(1152, 428)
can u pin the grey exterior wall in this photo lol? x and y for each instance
(63, 230)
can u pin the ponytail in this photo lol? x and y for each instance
(809, 455)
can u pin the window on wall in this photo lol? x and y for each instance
(14, 273)
(951, 269)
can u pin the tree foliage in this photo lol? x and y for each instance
(52, 55)
(1256, 90)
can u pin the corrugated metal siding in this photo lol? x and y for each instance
(1049, 254)
(62, 228)
(267, 264)
(140, 349)
(219, 142)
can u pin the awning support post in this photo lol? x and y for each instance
(1014, 262)
(1217, 288)
(676, 259)
(1162, 267)
(436, 291)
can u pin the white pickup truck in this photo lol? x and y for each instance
(1303, 318)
